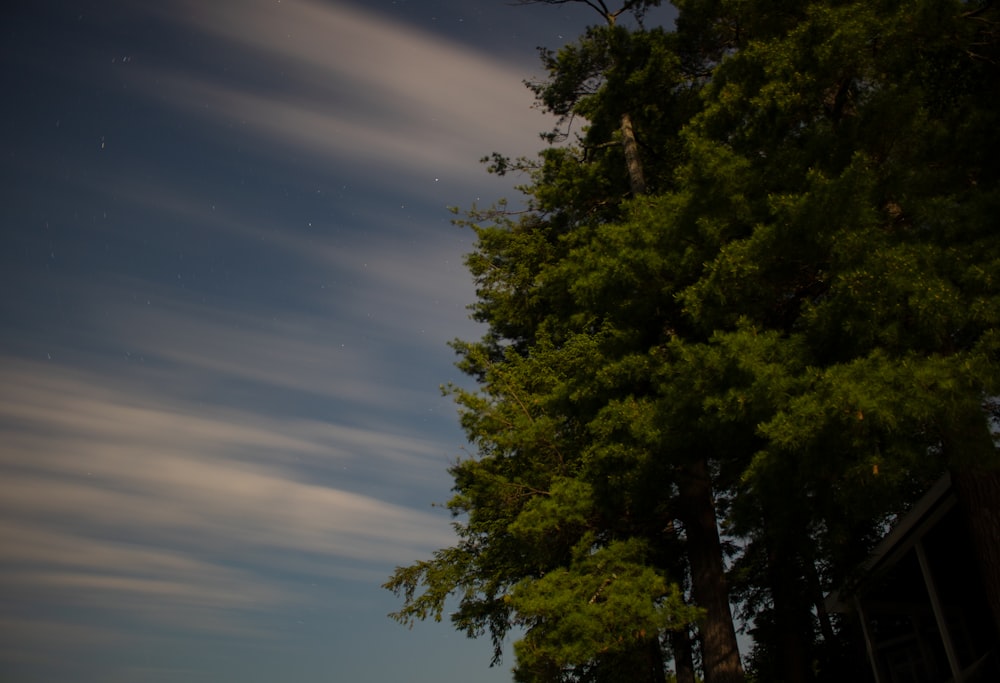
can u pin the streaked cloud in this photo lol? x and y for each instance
(119, 498)
(344, 84)
(341, 350)
(226, 322)
(131, 485)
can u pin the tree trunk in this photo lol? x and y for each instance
(788, 578)
(719, 649)
(653, 661)
(976, 478)
(791, 615)
(819, 602)
(978, 492)
(636, 180)
(680, 645)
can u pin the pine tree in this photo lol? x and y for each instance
(788, 327)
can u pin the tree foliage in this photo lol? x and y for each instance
(790, 330)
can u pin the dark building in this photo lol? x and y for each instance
(921, 600)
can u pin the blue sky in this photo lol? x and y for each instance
(227, 280)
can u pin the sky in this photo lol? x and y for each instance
(228, 277)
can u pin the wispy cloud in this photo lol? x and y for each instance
(379, 275)
(341, 350)
(119, 498)
(336, 82)
(225, 402)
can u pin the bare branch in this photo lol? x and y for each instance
(599, 6)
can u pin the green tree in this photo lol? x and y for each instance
(789, 329)
(858, 134)
(544, 545)
(533, 422)
(600, 78)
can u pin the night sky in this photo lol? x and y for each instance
(228, 280)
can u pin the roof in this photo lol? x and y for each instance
(927, 512)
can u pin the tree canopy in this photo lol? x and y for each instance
(759, 291)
